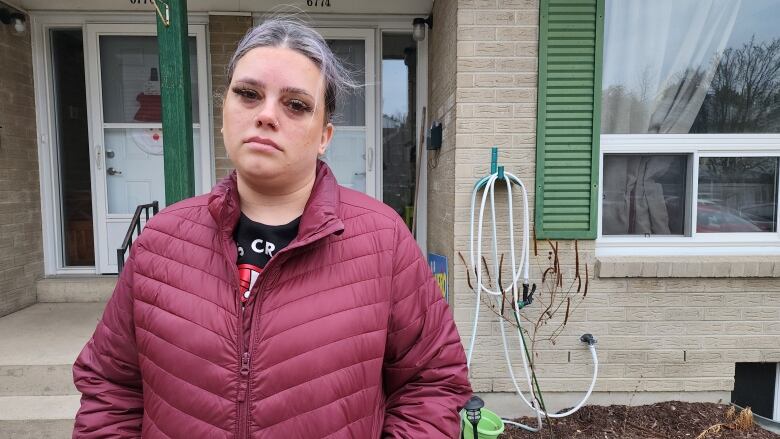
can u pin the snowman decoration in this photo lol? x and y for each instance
(149, 140)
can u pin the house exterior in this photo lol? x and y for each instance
(641, 133)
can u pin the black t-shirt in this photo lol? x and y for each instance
(257, 243)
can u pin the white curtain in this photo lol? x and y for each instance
(634, 201)
(659, 60)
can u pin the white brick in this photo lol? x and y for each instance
(495, 48)
(761, 314)
(477, 34)
(495, 17)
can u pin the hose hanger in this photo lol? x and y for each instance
(521, 298)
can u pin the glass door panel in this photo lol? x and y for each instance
(350, 154)
(132, 116)
(129, 71)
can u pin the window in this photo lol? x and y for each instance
(690, 126)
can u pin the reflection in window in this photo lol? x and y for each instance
(399, 73)
(687, 66)
(644, 194)
(737, 194)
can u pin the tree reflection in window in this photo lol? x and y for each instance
(744, 96)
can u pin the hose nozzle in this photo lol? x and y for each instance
(528, 296)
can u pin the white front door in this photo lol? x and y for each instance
(352, 152)
(126, 127)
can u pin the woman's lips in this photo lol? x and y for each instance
(261, 144)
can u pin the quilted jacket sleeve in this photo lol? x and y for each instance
(425, 375)
(106, 371)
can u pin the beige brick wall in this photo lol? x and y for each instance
(224, 34)
(21, 254)
(655, 334)
(442, 68)
(496, 106)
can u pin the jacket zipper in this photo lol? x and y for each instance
(244, 356)
(243, 386)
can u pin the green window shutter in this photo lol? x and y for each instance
(568, 118)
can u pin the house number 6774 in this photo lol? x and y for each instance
(318, 3)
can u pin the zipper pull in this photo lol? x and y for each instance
(245, 364)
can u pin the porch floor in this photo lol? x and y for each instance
(47, 333)
(37, 349)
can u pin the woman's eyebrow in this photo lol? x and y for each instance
(300, 91)
(261, 85)
(252, 81)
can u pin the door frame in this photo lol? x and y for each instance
(101, 217)
(41, 23)
(379, 24)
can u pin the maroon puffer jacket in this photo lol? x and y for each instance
(350, 335)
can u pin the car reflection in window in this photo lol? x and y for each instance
(712, 218)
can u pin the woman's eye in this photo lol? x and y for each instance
(246, 93)
(298, 106)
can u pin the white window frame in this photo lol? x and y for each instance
(696, 146)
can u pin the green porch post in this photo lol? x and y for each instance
(176, 100)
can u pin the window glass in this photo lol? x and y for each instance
(644, 194)
(691, 66)
(351, 107)
(737, 194)
(399, 155)
(67, 47)
(129, 68)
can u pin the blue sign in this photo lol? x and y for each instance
(438, 264)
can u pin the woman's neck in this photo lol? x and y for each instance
(272, 207)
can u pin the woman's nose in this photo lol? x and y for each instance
(267, 115)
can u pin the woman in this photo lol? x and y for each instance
(281, 304)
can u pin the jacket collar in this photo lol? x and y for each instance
(319, 218)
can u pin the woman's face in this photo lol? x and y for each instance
(273, 118)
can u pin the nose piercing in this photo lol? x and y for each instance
(273, 124)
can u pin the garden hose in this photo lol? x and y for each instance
(487, 185)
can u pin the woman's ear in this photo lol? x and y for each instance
(327, 135)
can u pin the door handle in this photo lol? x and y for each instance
(370, 159)
(112, 171)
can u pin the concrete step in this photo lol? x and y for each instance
(38, 417)
(75, 289)
(38, 346)
(36, 380)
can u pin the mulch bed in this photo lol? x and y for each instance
(663, 421)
